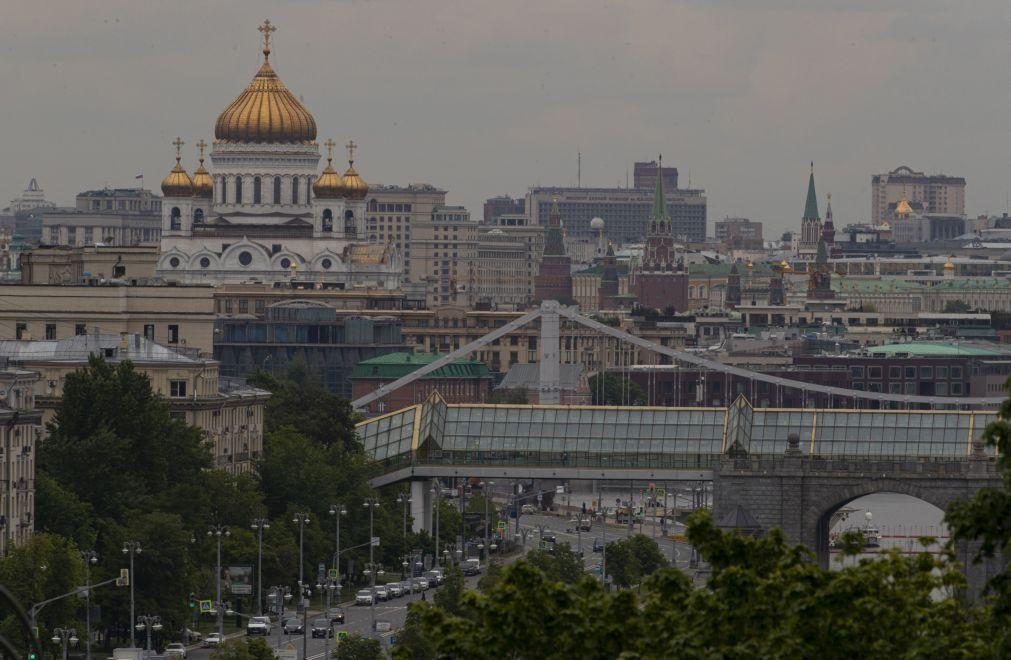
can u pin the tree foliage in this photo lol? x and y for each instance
(631, 559)
(611, 390)
(244, 648)
(356, 647)
(560, 564)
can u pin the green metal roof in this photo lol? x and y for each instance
(932, 348)
(811, 206)
(396, 365)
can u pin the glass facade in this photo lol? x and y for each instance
(622, 437)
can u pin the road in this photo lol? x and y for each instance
(358, 619)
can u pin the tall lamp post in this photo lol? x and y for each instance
(486, 491)
(259, 524)
(337, 510)
(277, 595)
(218, 531)
(148, 622)
(437, 491)
(603, 546)
(132, 548)
(404, 498)
(67, 637)
(301, 519)
(372, 503)
(90, 557)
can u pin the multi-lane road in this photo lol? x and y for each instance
(358, 619)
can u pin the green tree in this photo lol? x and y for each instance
(245, 648)
(560, 564)
(957, 307)
(517, 395)
(356, 647)
(631, 559)
(610, 390)
(448, 596)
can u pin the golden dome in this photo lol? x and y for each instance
(178, 182)
(265, 112)
(330, 184)
(903, 207)
(354, 186)
(203, 185)
(785, 265)
(948, 265)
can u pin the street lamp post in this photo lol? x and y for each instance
(259, 524)
(405, 499)
(337, 510)
(279, 594)
(90, 557)
(132, 548)
(486, 492)
(148, 622)
(437, 491)
(301, 518)
(603, 545)
(372, 503)
(218, 531)
(67, 637)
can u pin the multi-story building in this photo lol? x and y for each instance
(507, 256)
(625, 211)
(306, 332)
(81, 265)
(461, 381)
(23, 218)
(20, 428)
(644, 175)
(739, 233)
(443, 252)
(111, 216)
(32, 198)
(502, 205)
(177, 316)
(229, 413)
(936, 193)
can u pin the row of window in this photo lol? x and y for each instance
(896, 372)
(233, 193)
(940, 389)
(21, 331)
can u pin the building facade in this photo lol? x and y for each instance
(554, 273)
(502, 205)
(461, 381)
(644, 175)
(739, 233)
(67, 265)
(21, 427)
(934, 193)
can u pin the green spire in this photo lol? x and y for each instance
(659, 211)
(811, 206)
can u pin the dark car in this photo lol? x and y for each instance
(549, 538)
(322, 628)
(336, 614)
(293, 627)
(598, 545)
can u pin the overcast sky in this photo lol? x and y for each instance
(488, 97)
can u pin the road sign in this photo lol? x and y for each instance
(502, 524)
(206, 606)
(661, 492)
(333, 574)
(375, 540)
(342, 635)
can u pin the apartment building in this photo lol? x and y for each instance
(20, 428)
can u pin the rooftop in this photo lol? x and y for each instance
(934, 348)
(397, 365)
(79, 348)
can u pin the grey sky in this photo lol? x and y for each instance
(487, 97)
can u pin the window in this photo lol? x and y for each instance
(277, 190)
(228, 305)
(259, 306)
(894, 373)
(910, 372)
(327, 220)
(856, 372)
(176, 218)
(50, 331)
(238, 190)
(874, 372)
(942, 373)
(956, 388)
(256, 190)
(245, 258)
(956, 373)
(294, 190)
(20, 331)
(926, 372)
(149, 331)
(80, 329)
(243, 306)
(198, 217)
(173, 334)
(177, 388)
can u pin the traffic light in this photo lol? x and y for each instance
(193, 601)
(32, 655)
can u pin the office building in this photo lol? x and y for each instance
(930, 193)
(644, 176)
(739, 233)
(502, 205)
(508, 253)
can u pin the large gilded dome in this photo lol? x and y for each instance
(266, 112)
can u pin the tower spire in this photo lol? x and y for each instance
(811, 206)
(659, 210)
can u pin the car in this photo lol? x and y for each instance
(528, 508)
(175, 650)
(322, 627)
(598, 545)
(213, 639)
(471, 567)
(293, 626)
(364, 597)
(424, 584)
(193, 635)
(434, 577)
(382, 593)
(396, 591)
(405, 587)
(335, 614)
(258, 625)
(549, 538)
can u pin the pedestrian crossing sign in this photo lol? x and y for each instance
(206, 607)
(342, 635)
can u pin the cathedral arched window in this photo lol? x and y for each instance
(702, 291)
(294, 190)
(327, 220)
(256, 190)
(176, 218)
(238, 190)
(224, 190)
(198, 217)
(277, 190)
(349, 224)
(308, 189)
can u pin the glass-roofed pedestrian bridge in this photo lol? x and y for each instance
(596, 442)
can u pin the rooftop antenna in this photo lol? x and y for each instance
(579, 169)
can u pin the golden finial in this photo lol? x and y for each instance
(329, 144)
(201, 145)
(178, 145)
(351, 146)
(265, 30)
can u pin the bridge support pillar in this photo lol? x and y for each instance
(549, 388)
(421, 506)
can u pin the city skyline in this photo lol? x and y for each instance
(740, 100)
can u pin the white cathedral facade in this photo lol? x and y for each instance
(264, 213)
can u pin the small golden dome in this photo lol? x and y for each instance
(330, 184)
(266, 112)
(203, 185)
(785, 265)
(354, 186)
(903, 207)
(178, 183)
(949, 265)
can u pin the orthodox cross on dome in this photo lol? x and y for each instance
(351, 146)
(178, 145)
(201, 145)
(329, 144)
(266, 29)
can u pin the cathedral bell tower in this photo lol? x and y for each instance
(177, 206)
